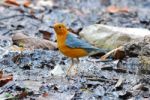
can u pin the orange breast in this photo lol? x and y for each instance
(70, 52)
(73, 53)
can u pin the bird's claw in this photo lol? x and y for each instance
(68, 72)
(75, 71)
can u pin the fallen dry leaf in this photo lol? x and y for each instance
(5, 79)
(1, 74)
(27, 3)
(16, 3)
(46, 34)
(12, 2)
(118, 54)
(45, 94)
(114, 9)
(30, 43)
(22, 95)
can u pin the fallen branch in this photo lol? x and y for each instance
(100, 79)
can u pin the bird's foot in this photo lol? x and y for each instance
(75, 71)
(68, 72)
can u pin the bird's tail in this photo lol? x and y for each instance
(98, 51)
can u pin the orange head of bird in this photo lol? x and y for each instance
(60, 29)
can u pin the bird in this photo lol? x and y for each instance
(72, 46)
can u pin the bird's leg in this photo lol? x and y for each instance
(72, 63)
(75, 69)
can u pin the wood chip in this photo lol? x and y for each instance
(138, 86)
(115, 9)
(31, 43)
(119, 83)
(120, 70)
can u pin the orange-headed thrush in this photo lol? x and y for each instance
(72, 46)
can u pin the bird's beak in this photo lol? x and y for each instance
(51, 26)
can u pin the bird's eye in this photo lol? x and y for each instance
(59, 26)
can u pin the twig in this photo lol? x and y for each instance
(101, 79)
(6, 32)
(95, 78)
